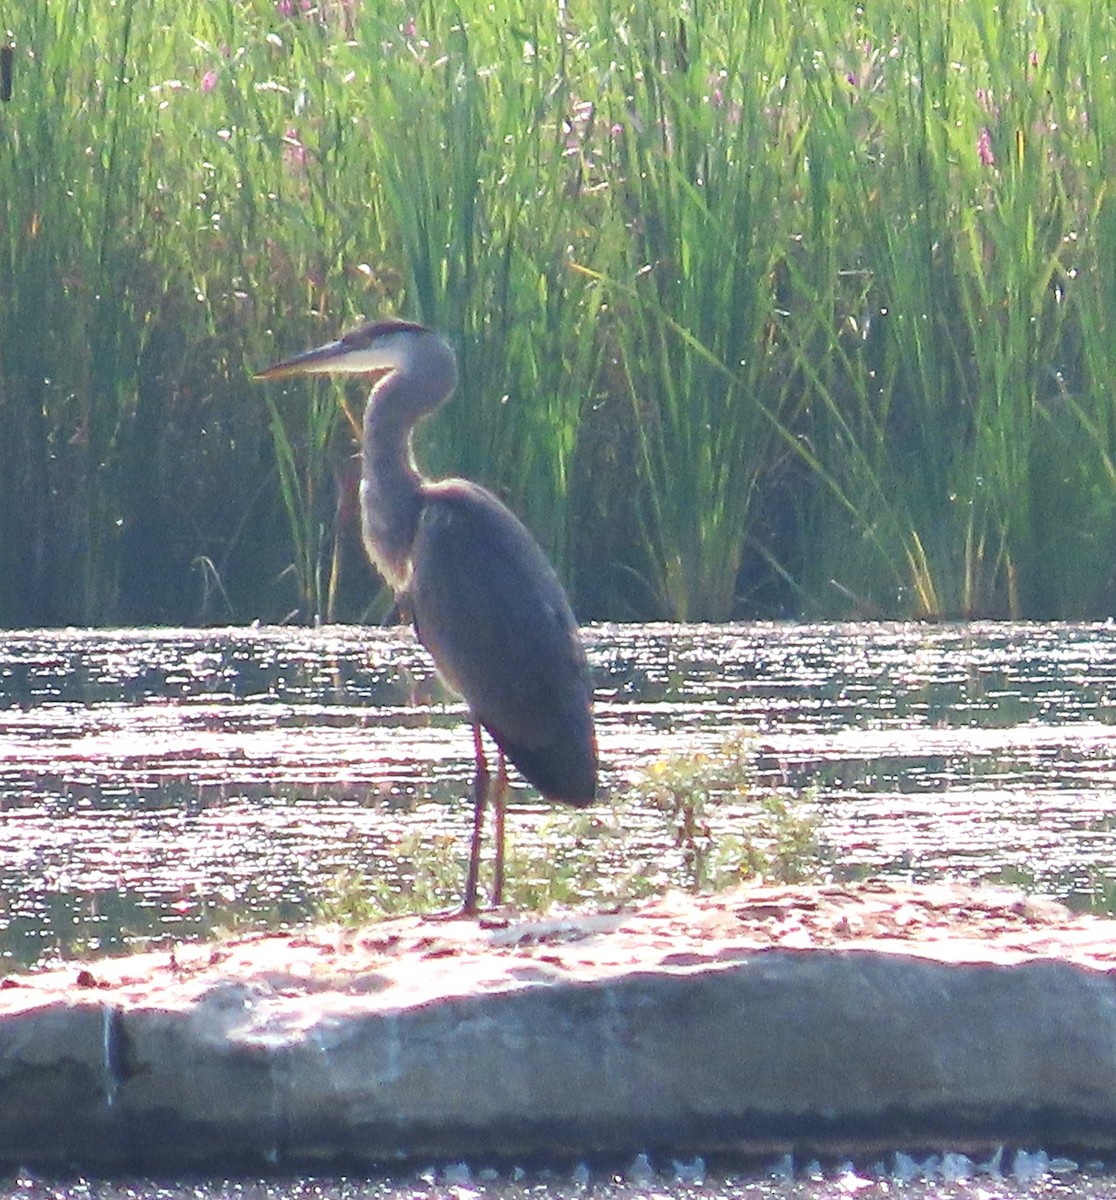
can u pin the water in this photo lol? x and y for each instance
(1022, 1176)
(160, 784)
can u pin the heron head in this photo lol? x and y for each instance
(370, 349)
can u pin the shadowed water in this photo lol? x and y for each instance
(158, 784)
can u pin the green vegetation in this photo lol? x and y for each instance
(722, 830)
(762, 307)
(778, 842)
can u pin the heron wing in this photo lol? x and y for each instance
(495, 618)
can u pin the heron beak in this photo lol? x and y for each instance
(322, 360)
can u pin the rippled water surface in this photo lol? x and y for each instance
(1041, 1178)
(157, 784)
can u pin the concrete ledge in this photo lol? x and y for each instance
(845, 1021)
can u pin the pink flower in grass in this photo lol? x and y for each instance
(984, 148)
(208, 81)
(294, 152)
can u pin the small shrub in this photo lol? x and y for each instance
(609, 857)
(779, 842)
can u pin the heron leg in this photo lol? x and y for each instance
(480, 798)
(499, 804)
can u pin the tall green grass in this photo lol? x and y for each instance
(795, 300)
(484, 202)
(73, 308)
(703, 139)
(957, 155)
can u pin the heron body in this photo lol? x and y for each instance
(487, 604)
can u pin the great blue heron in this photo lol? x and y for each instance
(487, 604)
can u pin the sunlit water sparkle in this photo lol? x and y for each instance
(158, 783)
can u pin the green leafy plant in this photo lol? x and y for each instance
(598, 858)
(778, 841)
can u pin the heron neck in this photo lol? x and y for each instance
(391, 485)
